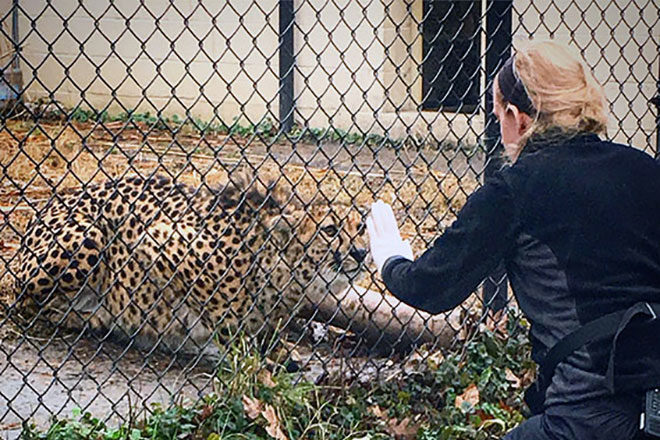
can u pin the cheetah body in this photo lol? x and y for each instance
(160, 263)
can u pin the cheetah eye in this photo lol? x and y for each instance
(331, 230)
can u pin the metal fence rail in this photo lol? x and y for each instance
(178, 175)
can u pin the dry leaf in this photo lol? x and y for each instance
(469, 399)
(483, 415)
(403, 430)
(400, 430)
(435, 360)
(377, 411)
(497, 322)
(253, 407)
(512, 378)
(265, 377)
(207, 411)
(274, 428)
(504, 406)
(417, 357)
(528, 376)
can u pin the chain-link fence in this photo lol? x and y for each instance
(180, 177)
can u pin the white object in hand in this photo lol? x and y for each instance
(384, 237)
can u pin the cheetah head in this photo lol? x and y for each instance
(324, 248)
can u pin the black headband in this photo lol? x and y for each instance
(513, 90)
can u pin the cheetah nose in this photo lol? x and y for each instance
(358, 254)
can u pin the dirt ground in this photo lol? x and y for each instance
(42, 376)
(40, 159)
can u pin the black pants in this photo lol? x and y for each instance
(613, 417)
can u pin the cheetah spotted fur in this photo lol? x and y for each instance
(162, 263)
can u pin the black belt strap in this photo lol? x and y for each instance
(601, 328)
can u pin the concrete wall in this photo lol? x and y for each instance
(357, 64)
(153, 56)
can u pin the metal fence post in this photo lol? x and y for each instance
(11, 86)
(286, 59)
(498, 49)
(656, 101)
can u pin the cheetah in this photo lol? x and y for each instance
(160, 263)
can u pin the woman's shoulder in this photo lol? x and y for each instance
(576, 151)
(579, 159)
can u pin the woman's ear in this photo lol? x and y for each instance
(523, 120)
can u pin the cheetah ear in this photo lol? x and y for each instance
(280, 229)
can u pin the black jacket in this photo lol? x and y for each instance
(577, 224)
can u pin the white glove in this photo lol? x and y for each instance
(384, 237)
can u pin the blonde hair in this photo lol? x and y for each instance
(564, 92)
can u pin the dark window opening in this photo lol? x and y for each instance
(451, 55)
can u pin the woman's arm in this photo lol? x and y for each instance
(446, 274)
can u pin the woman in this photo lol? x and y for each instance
(576, 221)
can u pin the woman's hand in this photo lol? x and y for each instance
(384, 237)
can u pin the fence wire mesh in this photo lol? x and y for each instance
(179, 178)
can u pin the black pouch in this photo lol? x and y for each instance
(640, 326)
(634, 358)
(535, 397)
